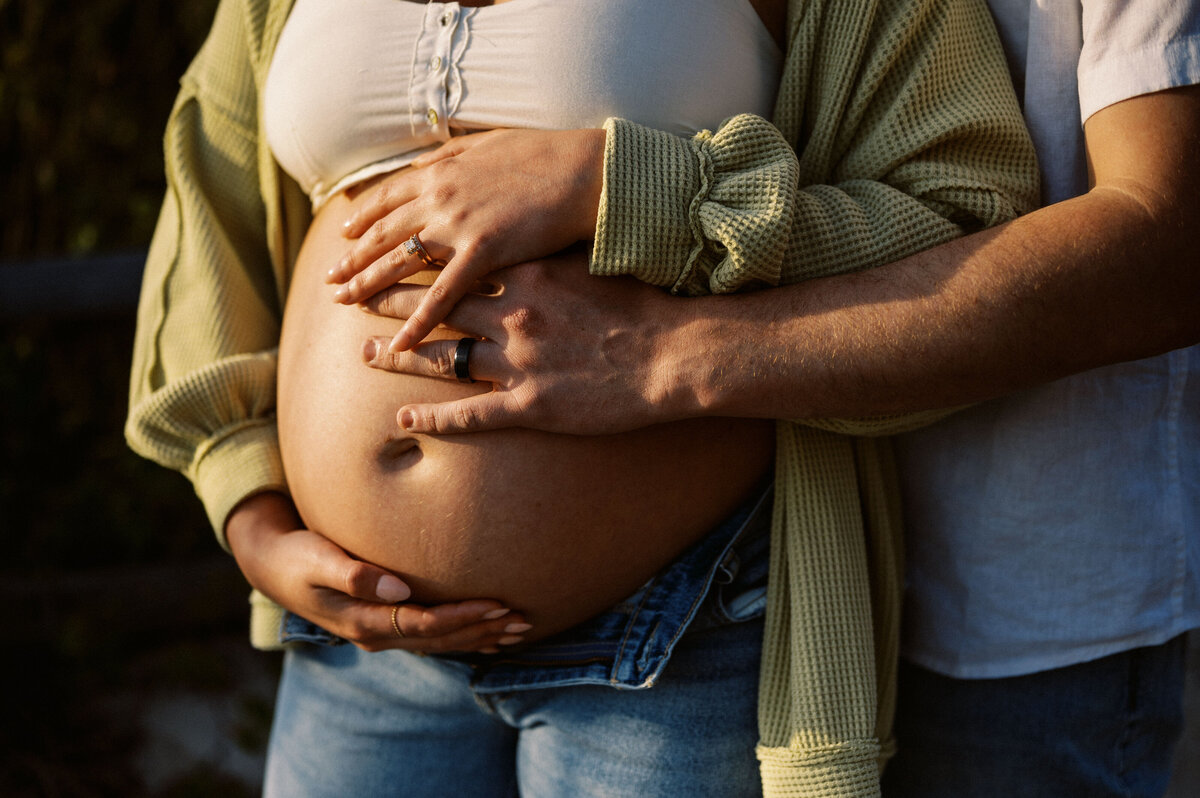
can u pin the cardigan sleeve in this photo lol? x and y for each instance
(202, 388)
(881, 148)
(896, 129)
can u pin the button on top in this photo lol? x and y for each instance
(432, 116)
(447, 18)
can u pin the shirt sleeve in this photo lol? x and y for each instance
(202, 388)
(1134, 48)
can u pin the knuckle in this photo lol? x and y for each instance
(423, 421)
(462, 416)
(392, 361)
(440, 170)
(440, 420)
(386, 303)
(473, 250)
(442, 191)
(442, 362)
(377, 303)
(357, 632)
(387, 195)
(353, 577)
(523, 320)
(418, 630)
(438, 293)
(376, 234)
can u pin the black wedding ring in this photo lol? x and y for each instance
(462, 359)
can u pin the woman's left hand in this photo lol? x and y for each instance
(478, 203)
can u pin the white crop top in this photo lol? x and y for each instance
(357, 88)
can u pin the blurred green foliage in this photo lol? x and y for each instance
(85, 89)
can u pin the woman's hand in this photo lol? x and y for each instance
(478, 203)
(309, 575)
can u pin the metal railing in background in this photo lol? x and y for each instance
(93, 287)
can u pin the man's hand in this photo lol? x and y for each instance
(978, 317)
(566, 352)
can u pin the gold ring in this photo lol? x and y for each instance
(413, 246)
(396, 625)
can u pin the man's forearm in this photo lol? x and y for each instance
(1094, 280)
(1109, 276)
(1106, 277)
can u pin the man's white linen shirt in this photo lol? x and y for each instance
(1062, 524)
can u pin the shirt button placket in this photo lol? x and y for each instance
(435, 114)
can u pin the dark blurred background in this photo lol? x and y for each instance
(124, 662)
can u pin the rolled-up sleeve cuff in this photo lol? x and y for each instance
(643, 228)
(849, 770)
(266, 623)
(241, 464)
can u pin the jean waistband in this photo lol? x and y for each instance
(629, 645)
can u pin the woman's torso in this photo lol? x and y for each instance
(557, 526)
(360, 87)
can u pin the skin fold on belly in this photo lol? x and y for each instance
(558, 526)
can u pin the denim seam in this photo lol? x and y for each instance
(702, 596)
(620, 653)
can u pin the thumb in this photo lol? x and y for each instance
(361, 580)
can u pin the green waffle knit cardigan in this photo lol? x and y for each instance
(895, 130)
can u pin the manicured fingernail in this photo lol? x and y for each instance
(407, 419)
(510, 640)
(494, 614)
(370, 350)
(517, 628)
(391, 589)
(341, 294)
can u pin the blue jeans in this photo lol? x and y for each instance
(655, 697)
(1093, 730)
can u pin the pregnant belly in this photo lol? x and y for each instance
(558, 526)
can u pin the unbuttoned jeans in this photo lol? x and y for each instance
(656, 697)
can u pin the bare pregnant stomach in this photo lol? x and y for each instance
(560, 527)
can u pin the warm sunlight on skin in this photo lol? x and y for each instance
(524, 517)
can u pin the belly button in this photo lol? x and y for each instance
(396, 453)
